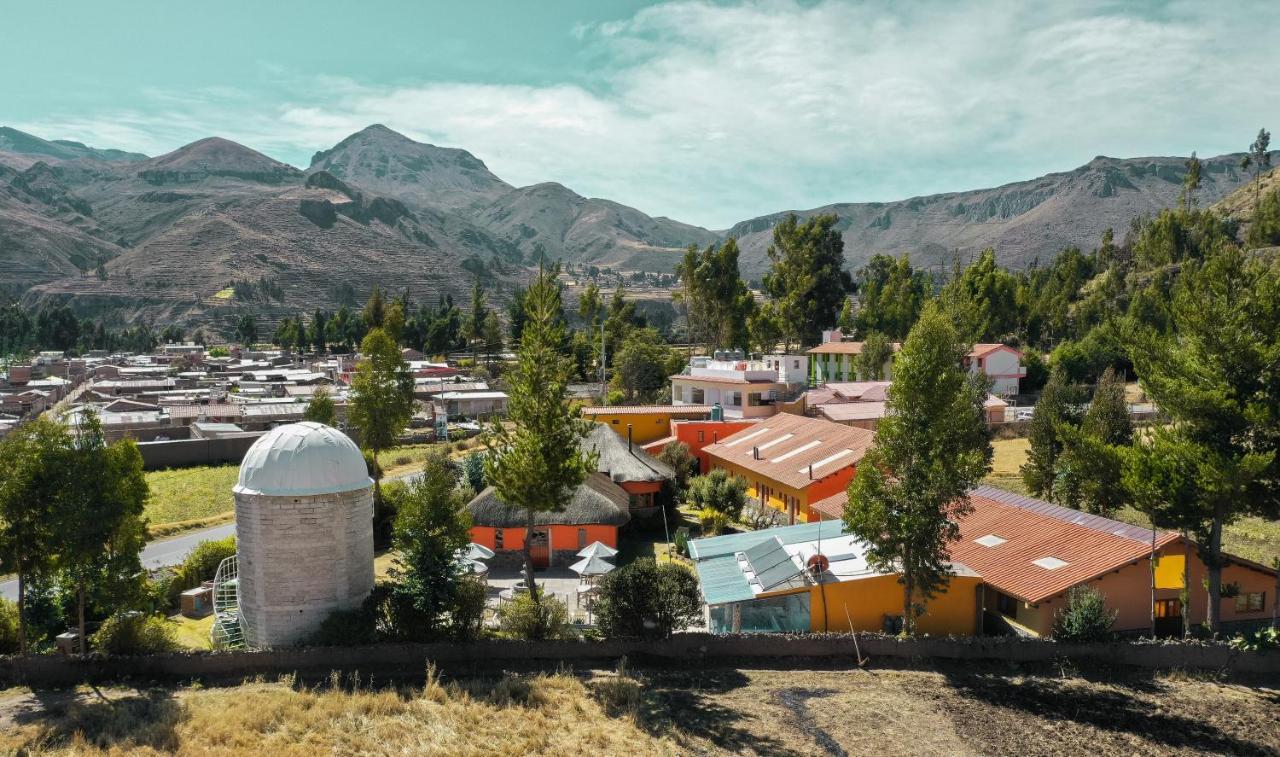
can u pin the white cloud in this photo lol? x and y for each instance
(712, 113)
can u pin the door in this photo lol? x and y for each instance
(1168, 617)
(540, 548)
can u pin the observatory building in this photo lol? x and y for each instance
(304, 532)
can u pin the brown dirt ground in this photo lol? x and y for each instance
(952, 709)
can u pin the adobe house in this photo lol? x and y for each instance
(594, 512)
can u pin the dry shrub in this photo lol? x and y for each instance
(620, 695)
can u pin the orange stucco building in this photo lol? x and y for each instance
(791, 462)
(1030, 553)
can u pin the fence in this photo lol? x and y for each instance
(180, 453)
(683, 650)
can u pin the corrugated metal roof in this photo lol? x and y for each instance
(793, 443)
(1033, 530)
(673, 410)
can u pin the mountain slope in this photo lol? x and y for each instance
(420, 175)
(22, 143)
(1024, 221)
(552, 218)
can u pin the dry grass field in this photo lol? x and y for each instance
(953, 710)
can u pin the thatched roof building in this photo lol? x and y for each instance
(596, 501)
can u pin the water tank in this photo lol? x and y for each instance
(304, 532)
(717, 412)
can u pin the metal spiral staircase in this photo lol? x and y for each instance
(228, 628)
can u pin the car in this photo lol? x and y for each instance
(1024, 413)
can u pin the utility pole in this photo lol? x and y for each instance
(604, 386)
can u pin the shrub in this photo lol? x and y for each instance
(1085, 618)
(8, 627)
(712, 521)
(648, 599)
(346, 628)
(473, 471)
(200, 565)
(682, 541)
(719, 491)
(521, 618)
(135, 634)
(466, 619)
(1261, 640)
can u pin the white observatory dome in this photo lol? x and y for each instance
(302, 459)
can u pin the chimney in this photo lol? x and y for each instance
(810, 472)
(755, 453)
(715, 437)
(628, 437)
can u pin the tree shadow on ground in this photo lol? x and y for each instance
(796, 701)
(683, 703)
(132, 721)
(1126, 706)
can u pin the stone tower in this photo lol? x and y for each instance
(304, 532)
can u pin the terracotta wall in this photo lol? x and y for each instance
(954, 610)
(563, 538)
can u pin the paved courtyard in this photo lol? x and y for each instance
(558, 581)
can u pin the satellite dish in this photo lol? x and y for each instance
(818, 564)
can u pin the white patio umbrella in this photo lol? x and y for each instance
(597, 548)
(475, 551)
(592, 566)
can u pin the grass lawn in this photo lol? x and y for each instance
(946, 708)
(1251, 538)
(192, 633)
(182, 495)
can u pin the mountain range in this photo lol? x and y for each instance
(126, 236)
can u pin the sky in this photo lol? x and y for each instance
(707, 112)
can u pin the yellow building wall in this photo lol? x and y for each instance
(776, 490)
(952, 611)
(645, 427)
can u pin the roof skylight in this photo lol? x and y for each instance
(1049, 563)
(990, 540)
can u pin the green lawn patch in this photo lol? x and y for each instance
(190, 494)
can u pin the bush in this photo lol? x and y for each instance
(346, 628)
(1261, 640)
(682, 541)
(135, 634)
(473, 471)
(712, 521)
(200, 565)
(1085, 618)
(647, 599)
(719, 491)
(521, 618)
(8, 627)
(466, 619)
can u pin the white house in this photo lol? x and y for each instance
(1001, 363)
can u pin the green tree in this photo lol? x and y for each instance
(877, 350)
(1213, 374)
(536, 461)
(1259, 158)
(492, 335)
(891, 294)
(1159, 474)
(1191, 182)
(319, 322)
(682, 461)
(645, 599)
(1264, 227)
(321, 409)
(247, 330)
(1059, 407)
(375, 310)
(473, 326)
(1089, 475)
(719, 491)
(590, 306)
(846, 322)
(381, 404)
(982, 299)
(764, 329)
(35, 460)
(393, 322)
(98, 517)
(807, 280)
(1085, 618)
(931, 448)
(717, 300)
(431, 528)
(643, 365)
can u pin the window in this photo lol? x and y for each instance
(497, 538)
(582, 538)
(1252, 601)
(698, 396)
(735, 399)
(614, 421)
(1168, 608)
(753, 399)
(701, 436)
(1006, 605)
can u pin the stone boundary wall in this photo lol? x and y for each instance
(392, 661)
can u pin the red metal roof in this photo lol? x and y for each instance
(789, 444)
(1032, 529)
